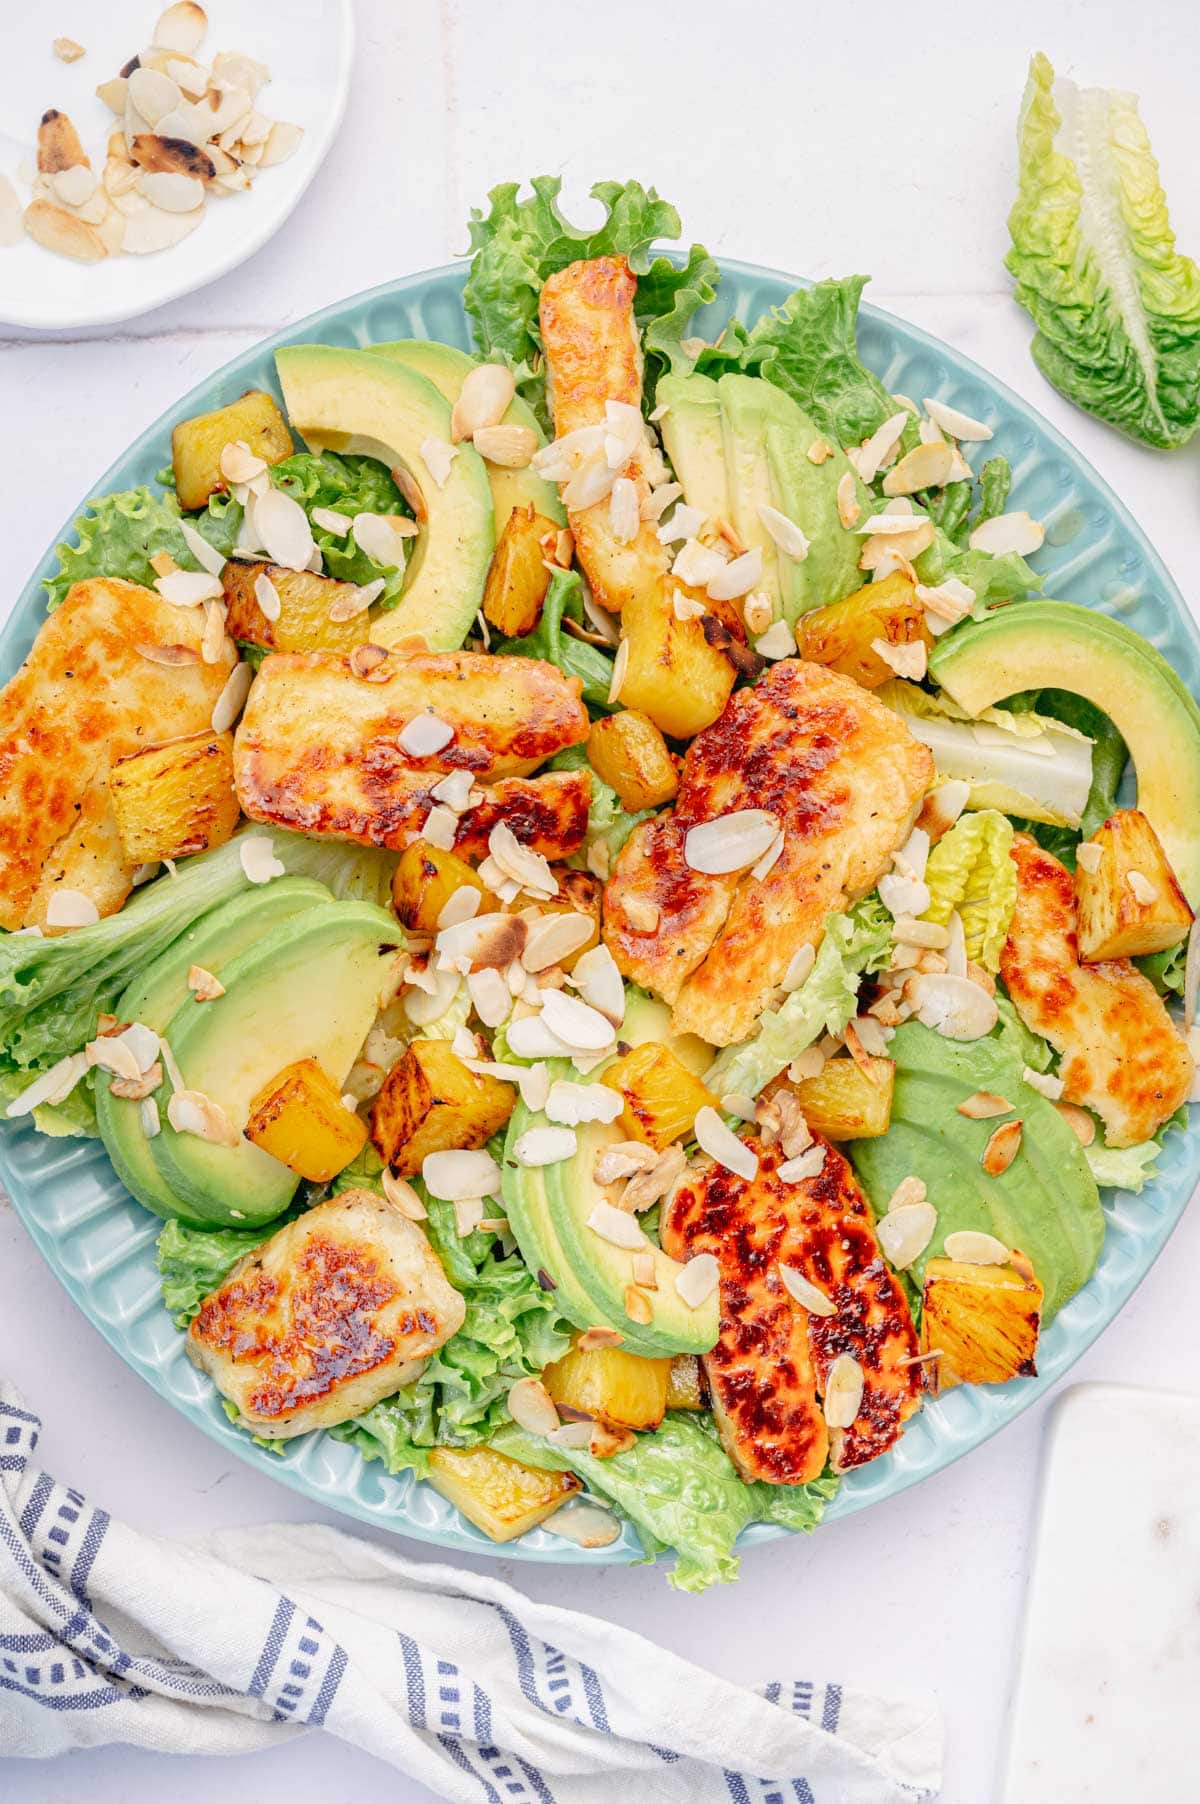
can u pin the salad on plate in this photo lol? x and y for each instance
(585, 884)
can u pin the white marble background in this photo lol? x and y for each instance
(819, 139)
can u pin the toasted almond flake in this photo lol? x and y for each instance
(1008, 532)
(206, 555)
(645, 1271)
(615, 1226)
(283, 528)
(983, 1105)
(638, 1306)
(843, 1391)
(893, 521)
(958, 425)
(924, 467)
(137, 1089)
(943, 806)
(491, 941)
(799, 968)
(257, 855)
(267, 597)
(53, 1086)
(74, 187)
(954, 1007)
(531, 1407)
(909, 932)
(212, 639)
(530, 1037)
(232, 698)
(698, 1280)
(483, 400)
(402, 1196)
(1043, 1083)
(623, 1159)
(769, 859)
(589, 485)
(188, 588)
(1080, 1122)
(1143, 890)
(203, 985)
(623, 512)
(849, 510)
(71, 908)
(698, 565)
(905, 1232)
(685, 523)
(805, 1293)
(424, 735)
(571, 1105)
(508, 447)
(656, 502)
(554, 938)
(440, 828)
(191, 1112)
(1089, 856)
(809, 1063)
(950, 601)
(686, 607)
(67, 50)
(737, 577)
(460, 1175)
(437, 456)
(153, 94)
(968, 1246)
(490, 996)
(545, 1146)
(819, 452)
(903, 896)
(871, 455)
(381, 538)
(238, 463)
(1001, 1149)
(110, 1053)
(170, 656)
(533, 1081)
(731, 842)
(329, 520)
(808, 1164)
(723, 1145)
(460, 905)
(577, 1025)
(599, 984)
(282, 142)
(789, 537)
(521, 863)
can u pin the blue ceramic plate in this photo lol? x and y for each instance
(101, 1243)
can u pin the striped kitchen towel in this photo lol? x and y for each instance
(230, 1643)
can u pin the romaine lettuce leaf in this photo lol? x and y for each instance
(969, 870)
(1109, 758)
(550, 641)
(75, 1118)
(1131, 1167)
(1019, 1041)
(193, 1261)
(993, 579)
(1117, 309)
(854, 944)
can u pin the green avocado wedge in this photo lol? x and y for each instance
(448, 368)
(1056, 644)
(161, 988)
(307, 989)
(351, 401)
(547, 1208)
(1046, 1203)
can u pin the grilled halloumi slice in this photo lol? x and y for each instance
(84, 696)
(335, 1311)
(593, 355)
(318, 748)
(1121, 1054)
(772, 1359)
(843, 776)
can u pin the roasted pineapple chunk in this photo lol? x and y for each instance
(609, 1385)
(496, 1493)
(431, 1103)
(578, 893)
(174, 799)
(197, 444)
(518, 576)
(661, 1095)
(299, 1118)
(843, 1103)
(628, 752)
(982, 1320)
(673, 675)
(840, 635)
(424, 881)
(686, 1387)
(304, 603)
(1131, 902)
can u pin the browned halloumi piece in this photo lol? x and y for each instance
(547, 813)
(83, 697)
(593, 355)
(318, 750)
(772, 1358)
(845, 779)
(1121, 1054)
(335, 1311)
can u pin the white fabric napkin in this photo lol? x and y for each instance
(234, 1641)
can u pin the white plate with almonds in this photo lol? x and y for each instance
(145, 152)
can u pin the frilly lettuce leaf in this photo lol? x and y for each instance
(117, 535)
(551, 642)
(970, 870)
(854, 944)
(1019, 1041)
(993, 579)
(193, 1261)
(1117, 309)
(1131, 1167)
(345, 485)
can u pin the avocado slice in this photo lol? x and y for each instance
(448, 368)
(343, 400)
(647, 1018)
(1059, 645)
(547, 1208)
(161, 988)
(307, 989)
(691, 436)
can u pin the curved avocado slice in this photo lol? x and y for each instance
(343, 400)
(547, 1209)
(1058, 645)
(153, 997)
(308, 989)
(448, 368)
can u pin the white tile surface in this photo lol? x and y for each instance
(818, 139)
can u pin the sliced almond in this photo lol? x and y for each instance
(1081, 1124)
(592, 1339)
(924, 467)
(983, 1105)
(136, 1089)
(203, 985)
(61, 232)
(158, 154)
(58, 145)
(181, 27)
(969, 1246)
(232, 698)
(172, 191)
(483, 400)
(154, 230)
(1008, 532)
(169, 656)
(843, 1391)
(402, 1196)
(153, 94)
(638, 1306)
(1001, 1149)
(848, 506)
(805, 1293)
(191, 1112)
(283, 142)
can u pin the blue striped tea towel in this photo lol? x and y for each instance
(232, 1642)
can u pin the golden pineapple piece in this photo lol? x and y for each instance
(661, 1095)
(197, 444)
(424, 881)
(518, 577)
(628, 752)
(844, 1103)
(840, 635)
(982, 1320)
(673, 675)
(1131, 902)
(431, 1103)
(299, 1118)
(174, 799)
(686, 1386)
(496, 1493)
(578, 893)
(304, 603)
(609, 1385)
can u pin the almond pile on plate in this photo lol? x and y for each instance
(189, 132)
